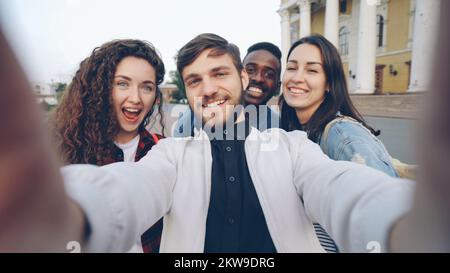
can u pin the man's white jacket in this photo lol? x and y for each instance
(295, 182)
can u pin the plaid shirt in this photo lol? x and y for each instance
(151, 238)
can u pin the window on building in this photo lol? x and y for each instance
(343, 41)
(343, 6)
(380, 30)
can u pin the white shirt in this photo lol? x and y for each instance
(129, 149)
(129, 154)
(296, 184)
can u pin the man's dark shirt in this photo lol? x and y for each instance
(235, 221)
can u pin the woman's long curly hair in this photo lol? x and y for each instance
(85, 123)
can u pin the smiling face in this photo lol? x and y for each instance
(304, 81)
(263, 69)
(213, 87)
(133, 95)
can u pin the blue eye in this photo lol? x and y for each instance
(122, 84)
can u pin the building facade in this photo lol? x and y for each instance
(45, 93)
(168, 91)
(386, 45)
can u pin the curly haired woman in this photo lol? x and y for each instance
(104, 111)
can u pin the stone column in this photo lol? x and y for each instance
(426, 24)
(305, 17)
(332, 22)
(285, 34)
(365, 65)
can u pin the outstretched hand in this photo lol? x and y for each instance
(427, 227)
(35, 213)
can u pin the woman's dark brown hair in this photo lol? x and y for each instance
(337, 100)
(85, 123)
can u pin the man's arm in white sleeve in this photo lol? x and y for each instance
(120, 201)
(357, 205)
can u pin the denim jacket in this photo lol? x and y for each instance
(349, 140)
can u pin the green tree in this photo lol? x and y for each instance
(175, 78)
(60, 86)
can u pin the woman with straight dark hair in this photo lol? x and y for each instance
(315, 99)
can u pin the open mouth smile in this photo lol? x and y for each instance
(297, 91)
(131, 114)
(255, 91)
(215, 103)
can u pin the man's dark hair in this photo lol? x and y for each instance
(190, 52)
(273, 49)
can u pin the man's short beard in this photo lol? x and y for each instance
(233, 114)
(241, 101)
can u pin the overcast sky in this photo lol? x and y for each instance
(51, 37)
